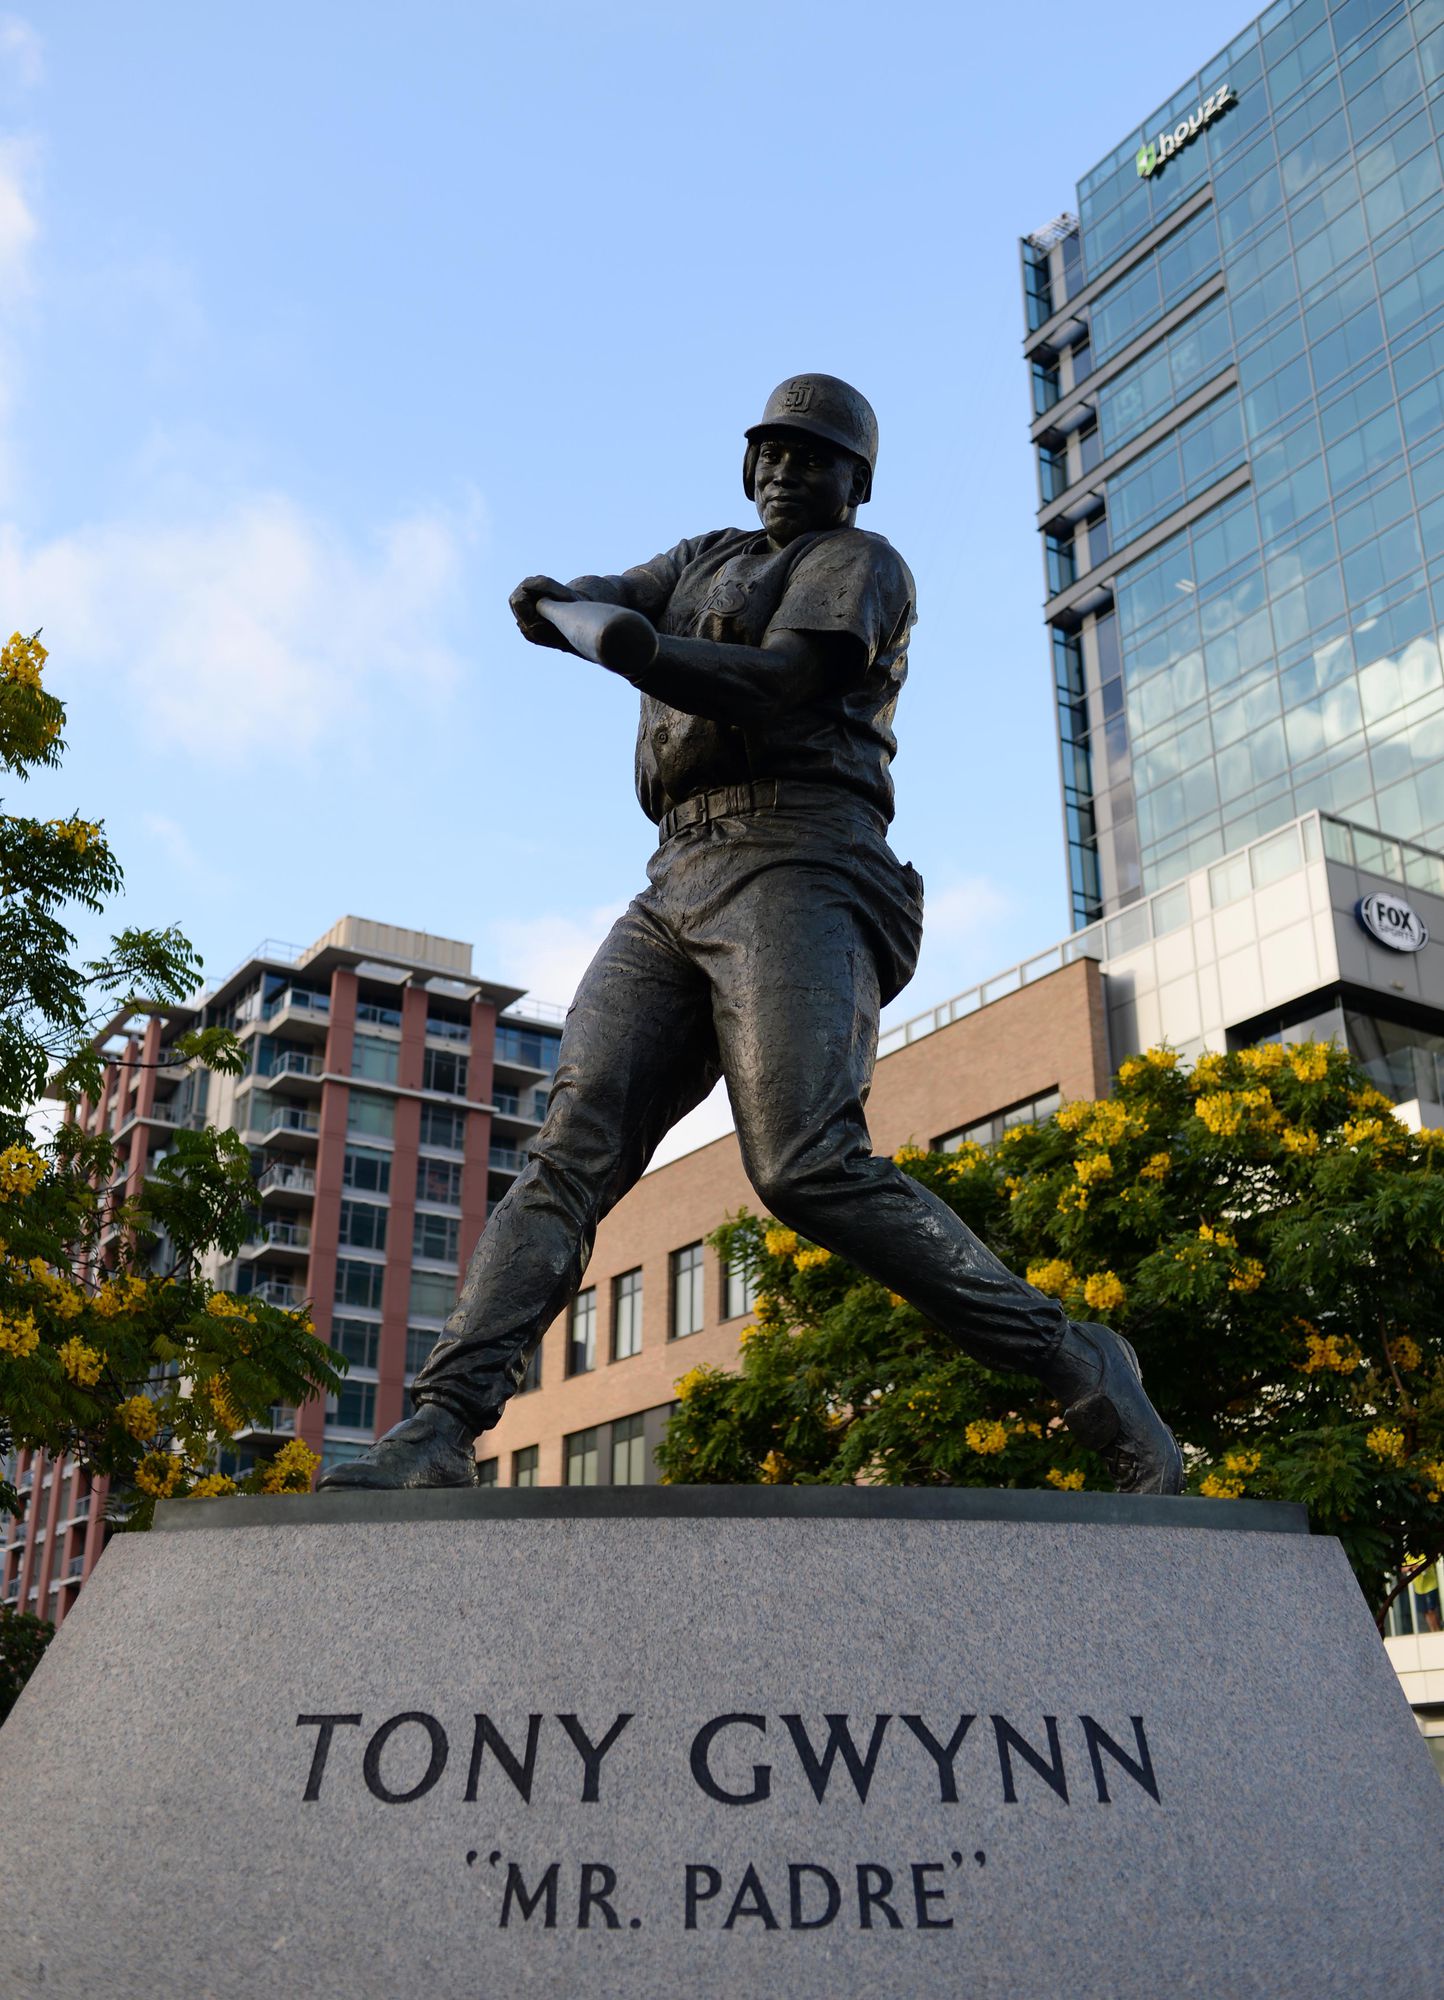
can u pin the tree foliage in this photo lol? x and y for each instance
(23, 1638)
(1263, 1229)
(113, 1349)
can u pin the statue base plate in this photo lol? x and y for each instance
(716, 1743)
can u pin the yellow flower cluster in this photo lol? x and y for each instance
(1242, 1462)
(1054, 1275)
(21, 660)
(1104, 1291)
(1073, 1117)
(1161, 1058)
(813, 1257)
(220, 1305)
(687, 1385)
(768, 1311)
(1225, 1111)
(1112, 1122)
(1373, 1131)
(291, 1470)
(1066, 1482)
(1297, 1140)
(896, 1299)
(119, 1295)
(908, 1156)
(1309, 1061)
(965, 1159)
(213, 1486)
(19, 1334)
(1433, 1470)
(1208, 1070)
(986, 1436)
(1386, 1442)
(1220, 1486)
(227, 1417)
(140, 1417)
(76, 833)
(158, 1474)
(1155, 1167)
(21, 1172)
(63, 1299)
(1247, 1275)
(1094, 1167)
(1329, 1352)
(1073, 1200)
(82, 1363)
(1405, 1352)
(1208, 1234)
(1265, 1060)
(773, 1470)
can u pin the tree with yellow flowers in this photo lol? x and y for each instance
(1260, 1225)
(112, 1348)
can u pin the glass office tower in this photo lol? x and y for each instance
(1236, 349)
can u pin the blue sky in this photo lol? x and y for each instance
(322, 324)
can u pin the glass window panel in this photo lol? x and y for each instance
(626, 1315)
(581, 1458)
(362, 1225)
(629, 1459)
(582, 1333)
(688, 1305)
(433, 1294)
(437, 1237)
(524, 1466)
(373, 1116)
(375, 1059)
(368, 1168)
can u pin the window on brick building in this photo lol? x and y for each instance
(626, 1315)
(629, 1452)
(524, 1466)
(582, 1333)
(988, 1131)
(687, 1302)
(581, 1458)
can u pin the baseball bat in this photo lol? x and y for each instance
(607, 634)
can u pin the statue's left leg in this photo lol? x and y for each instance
(797, 1030)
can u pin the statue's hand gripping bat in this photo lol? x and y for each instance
(607, 634)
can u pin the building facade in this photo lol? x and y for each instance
(1235, 346)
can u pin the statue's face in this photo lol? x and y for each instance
(803, 483)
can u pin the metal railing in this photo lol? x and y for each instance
(293, 1063)
(285, 1235)
(287, 1179)
(274, 1293)
(286, 1118)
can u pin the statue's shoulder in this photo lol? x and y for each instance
(862, 548)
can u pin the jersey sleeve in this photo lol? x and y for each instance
(854, 583)
(648, 587)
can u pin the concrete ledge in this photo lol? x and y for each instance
(734, 1503)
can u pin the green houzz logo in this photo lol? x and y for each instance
(1155, 153)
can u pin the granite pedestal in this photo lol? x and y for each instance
(710, 1744)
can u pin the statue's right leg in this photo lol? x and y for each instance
(637, 1052)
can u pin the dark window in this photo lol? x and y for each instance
(362, 1225)
(988, 1131)
(419, 1343)
(436, 1236)
(581, 1458)
(433, 1293)
(524, 1466)
(532, 1378)
(356, 1339)
(528, 1046)
(443, 1127)
(629, 1456)
(359, 1284)
(366, 1169)
(354, 1408)
(687, 1302)
(444, 1070)
(739, 1291)
(439, 1181)
(488, 1471)
(582, 1333)
(626, 1315)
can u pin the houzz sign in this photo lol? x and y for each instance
(1153, 153)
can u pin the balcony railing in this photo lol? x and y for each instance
(292, 1063)
(287, 1118)
(298, 998)
(513, 1104)
(510, 1159)
(273, 1292)
(74, 1566)
(284, 1236)
(284, 1179)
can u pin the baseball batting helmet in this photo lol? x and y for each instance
(828, 409)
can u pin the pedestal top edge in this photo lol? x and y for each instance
(735, 1503)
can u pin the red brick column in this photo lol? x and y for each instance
(330, 1161)
(396, 1286)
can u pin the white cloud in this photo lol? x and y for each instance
(548, 954)
(969, 932)
(21, 51)
(221, 629)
